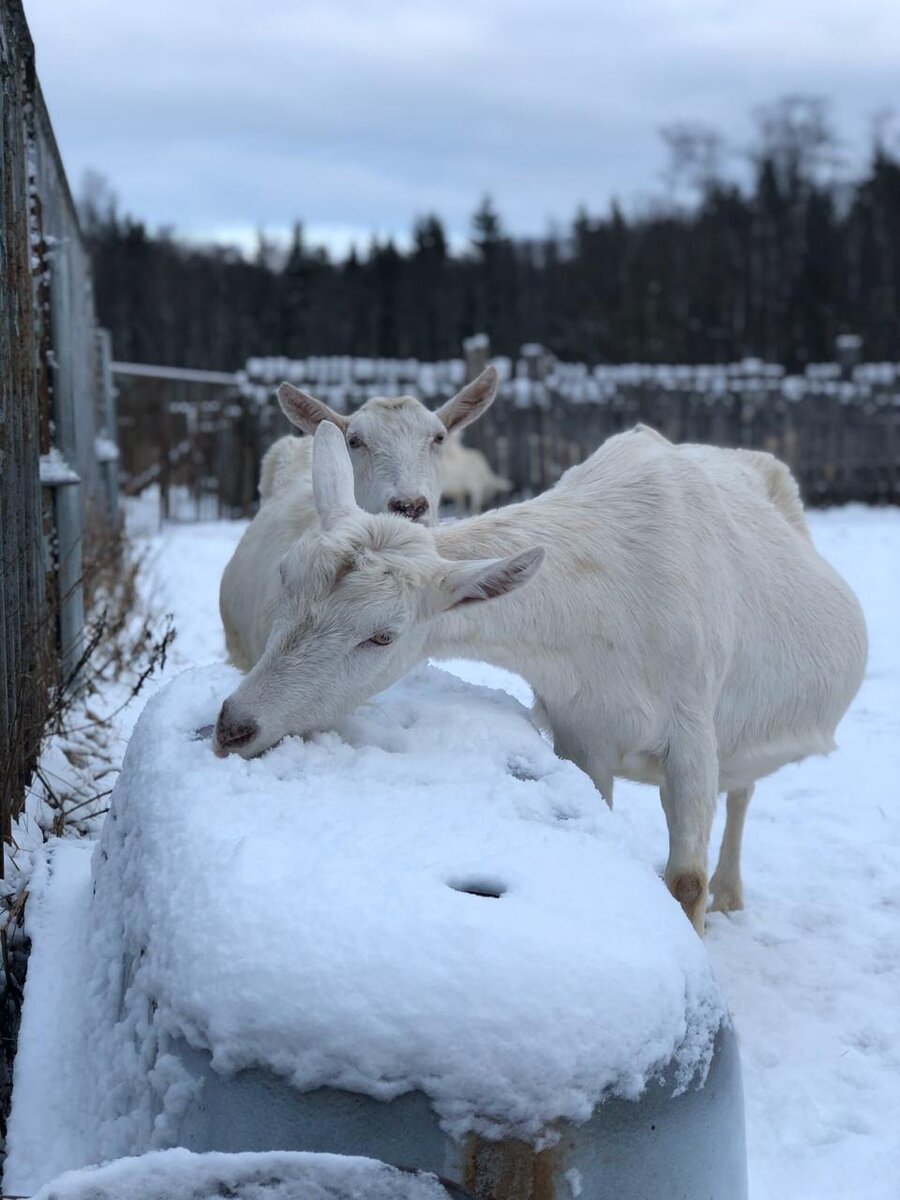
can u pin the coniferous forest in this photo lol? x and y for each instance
(771, 258)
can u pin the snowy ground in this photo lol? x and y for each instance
(812, 968)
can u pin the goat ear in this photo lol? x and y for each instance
(305, 411)
(485, 579)
(332, 476)
(469, 404)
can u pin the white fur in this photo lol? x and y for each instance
(466, 477)
(683, 631)
(396, 448)
(289, 457)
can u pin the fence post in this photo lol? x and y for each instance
(67, 507)
(65, 436)
(107, 449)
(476, 350)
(68, 510)
(848, 347)
(165, 453)
(65, 487)
(536, 361)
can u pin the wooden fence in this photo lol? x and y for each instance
(838, 426)
(842, 442)
(191, 435)
(57, 417)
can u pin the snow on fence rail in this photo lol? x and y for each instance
(837, 425)
(55, 382)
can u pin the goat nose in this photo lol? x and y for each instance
(233, 732)
(414, 509)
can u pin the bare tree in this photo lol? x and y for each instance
(97, 203)
(695, 159)
(796, 137)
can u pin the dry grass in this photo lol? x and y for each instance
(124, 645)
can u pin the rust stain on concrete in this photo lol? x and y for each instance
(508, 1170)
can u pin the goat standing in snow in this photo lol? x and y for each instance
(396, 446)
(679, 627)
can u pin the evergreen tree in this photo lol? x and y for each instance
(775, 269)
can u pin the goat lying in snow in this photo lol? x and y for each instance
(396, 445)
(467, 478)
(682, 631)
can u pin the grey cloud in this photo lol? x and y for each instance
(356, 115)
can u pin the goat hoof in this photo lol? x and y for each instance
(686, 888)
(689, 889)
(727, 897)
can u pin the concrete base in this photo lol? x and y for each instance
(678, 1148)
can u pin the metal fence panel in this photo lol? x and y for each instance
(22, 687)
(51, 379)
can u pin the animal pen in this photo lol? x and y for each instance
(200, 435)
(58, 458)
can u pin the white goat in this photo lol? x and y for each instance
(683, 631)
(396, 445)
(467, 478)
(281, 464)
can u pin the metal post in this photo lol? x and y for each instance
(65, 435)
(68, 509)
(65, 559)
(106, 445)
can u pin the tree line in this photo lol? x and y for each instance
(773, 261)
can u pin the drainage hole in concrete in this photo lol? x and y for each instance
(479, 886)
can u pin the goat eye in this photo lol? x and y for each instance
(439, 439)
(355, 442)
(382, 639)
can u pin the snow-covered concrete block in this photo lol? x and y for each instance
(420, 937)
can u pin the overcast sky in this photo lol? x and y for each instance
(220, 116)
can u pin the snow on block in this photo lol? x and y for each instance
(426, 899)
(421, 937)
(181, 1175)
